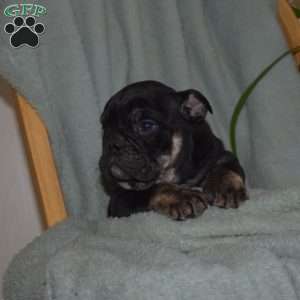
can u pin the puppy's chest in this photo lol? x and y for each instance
(167, 161)
(168, 175)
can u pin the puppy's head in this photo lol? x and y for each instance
(145, 127)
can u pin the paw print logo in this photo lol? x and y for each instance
(24, 32)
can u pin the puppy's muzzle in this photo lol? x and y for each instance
(127, 162)
(118, 173)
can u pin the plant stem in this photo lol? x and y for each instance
(247, 92)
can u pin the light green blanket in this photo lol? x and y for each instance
(250, 253)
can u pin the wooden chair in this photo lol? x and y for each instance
(39, 152)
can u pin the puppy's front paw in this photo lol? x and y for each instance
(178, 203)
(228, 189)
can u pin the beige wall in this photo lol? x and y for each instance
(19, 219)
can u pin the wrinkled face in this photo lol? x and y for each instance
(139, 130)
(142, 135)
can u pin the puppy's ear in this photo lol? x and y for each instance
(194, 106)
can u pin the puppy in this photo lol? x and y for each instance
(160, 154)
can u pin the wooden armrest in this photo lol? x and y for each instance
(41, 163)
(291, 27)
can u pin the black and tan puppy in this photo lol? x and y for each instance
(160, 154)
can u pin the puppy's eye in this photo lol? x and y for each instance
(147, 126)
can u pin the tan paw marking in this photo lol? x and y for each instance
(178, 203)
(228, 189)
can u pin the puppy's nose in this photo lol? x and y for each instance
(118, 173)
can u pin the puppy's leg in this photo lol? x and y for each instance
(177, 202)
(124, 203)
(226, 183)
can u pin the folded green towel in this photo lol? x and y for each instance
(249, 253)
